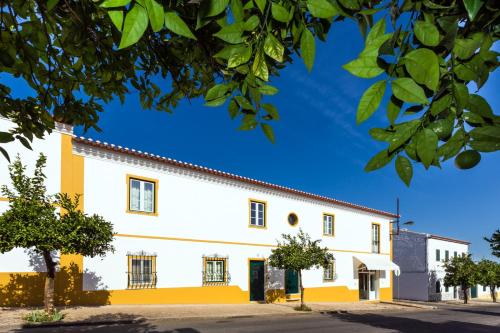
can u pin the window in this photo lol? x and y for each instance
(328, 220)
(484, 288)
(438, 255)
(257, 214)
(446, 288)
(375, 238)
(329, 271)
(141, 271)
(293, 219)
(438, 287)
(215, 270)
(142, 195)
(446, 255)
(455, 254)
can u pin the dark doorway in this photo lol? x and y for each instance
(256, 280)
(473, 292)
(291, 282)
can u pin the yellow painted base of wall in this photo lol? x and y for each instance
(385, 294)
(331, 294)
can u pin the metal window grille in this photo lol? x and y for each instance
(215, 271)
(142, 271)
(329, 271)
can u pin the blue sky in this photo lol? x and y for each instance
(319, 148)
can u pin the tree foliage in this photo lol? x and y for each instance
(229, 50)
(494, 243)
(298, 253)
(461, 271)
(49, 224)
(489, 275)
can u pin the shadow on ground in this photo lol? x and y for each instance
(410, 325)
(117, 322)
(480, 312)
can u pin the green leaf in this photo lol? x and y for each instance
(486, 133)
(308, 48)
(268, 131)
(261, 4)
(351, 4)
(115, 3)
(175, 24)
(480, 106)
(216, 102)
(473, 7)
(440, 104)
(370, 101)
(407, 90)
(237, 10)
(423, 66)
(116, 17)
(393, 109)
(231, 33)
(461, 94)
(380, 134)
(404, 169)
(268, 90)
(5, 154)
(136, 23)
(377, 31)
(321, 8)
(6, 137)
(271, 111)
(378, 161)
(244, 103)
(427, 142)
(155, 13)
(252, 23)
(404, 132)
(465, 47)
(485, 146)
(365, 67)
(427, 33)
(216, 92)
(239, 58)
(215, 7)
(259, 66)
(279, 13)
(453, 146)
(233, 109)
(372, 47)
(273, 48)
(229, 50)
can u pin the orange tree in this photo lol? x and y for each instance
(425, 52)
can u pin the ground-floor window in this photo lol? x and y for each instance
(446, 288)
(438, 287)
(329, 271)
(215, 270)
(484, 288)
(141, 271)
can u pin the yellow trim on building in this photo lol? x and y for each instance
(250, 225)
(155, 204)
(4, 199)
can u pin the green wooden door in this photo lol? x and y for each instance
(291, 282)
(473, 292)
(257, 280)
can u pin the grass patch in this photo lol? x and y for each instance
(302, 307)
(41, 316)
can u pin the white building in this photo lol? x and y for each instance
(420, 257)
(190, 234)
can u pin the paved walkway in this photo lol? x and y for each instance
(12, 317)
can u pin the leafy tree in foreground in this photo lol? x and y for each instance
(34, 221)
(461, 272)
(494, 243)
(229, 50)
(489, 275)
(298, 253)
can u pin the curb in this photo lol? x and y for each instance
(411, 305)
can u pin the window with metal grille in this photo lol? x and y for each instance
(375, 238)
(141, 271)
(215, 270)
(328, 224)
(329, 271)
(257, 214)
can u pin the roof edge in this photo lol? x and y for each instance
(169, 161)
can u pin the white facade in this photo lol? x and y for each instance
(420, 257)
(201, 213)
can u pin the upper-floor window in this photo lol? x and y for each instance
(257, 214)
(329, 271)
(215, 270)
(141, 271)
(446, 255)
(375, 238)
(142, 195)
(455, 254)
(328, 224)
(438, 255)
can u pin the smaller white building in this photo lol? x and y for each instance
(420, 257)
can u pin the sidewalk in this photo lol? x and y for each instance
(12, 317)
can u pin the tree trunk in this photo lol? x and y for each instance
(301, 290)
(493, 293)
(465, 294)
(48, 297)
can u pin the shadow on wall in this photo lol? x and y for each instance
(275, 285)
(434, 287)
(26, 289)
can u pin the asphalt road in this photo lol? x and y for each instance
(453, 319)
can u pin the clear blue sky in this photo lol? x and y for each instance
(319, 148)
